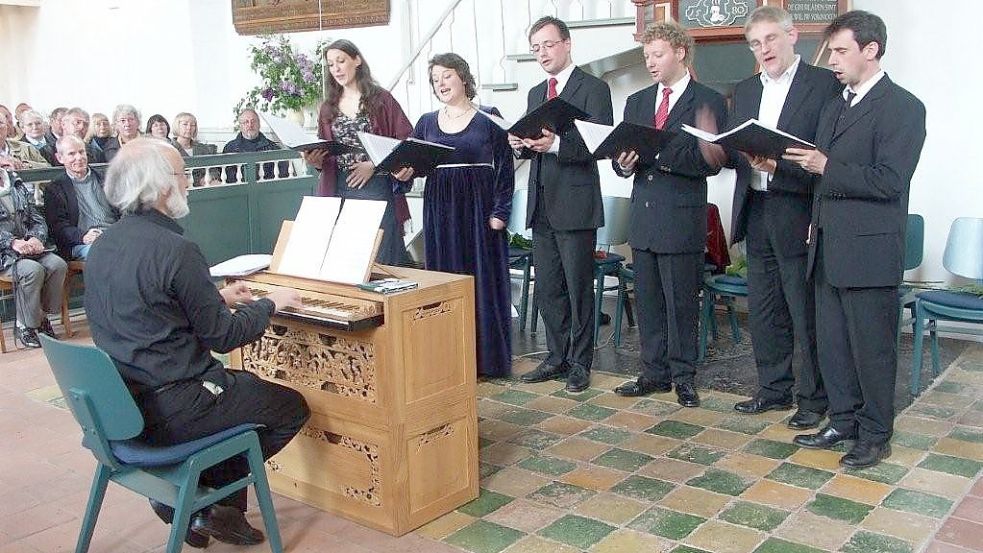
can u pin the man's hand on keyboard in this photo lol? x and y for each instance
(285, 298)
(236, 293)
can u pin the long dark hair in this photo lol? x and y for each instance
(367, 86)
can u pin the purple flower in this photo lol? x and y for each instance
(267, 94)
(289, 88)
(307, 74)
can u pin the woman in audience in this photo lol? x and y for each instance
(158, 127)
(32, 123)
(467, 203)
(355, 102)
(100, 131)
(186, 142)
(126, 119)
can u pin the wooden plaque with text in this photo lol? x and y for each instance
(257, 17)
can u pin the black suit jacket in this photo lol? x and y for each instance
(790, 189)
(569, 179)
(61, 212)
(861, 200)
(669, 194)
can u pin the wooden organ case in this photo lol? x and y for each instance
(392, 442)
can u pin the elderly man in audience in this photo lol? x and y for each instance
(126, 119)
(32, 123)
(38, 274)
(250, 139)
(186, 142)
(54, 125)
(75, 123)
(17, 155)
(75, 206)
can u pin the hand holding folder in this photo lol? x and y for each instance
(608, 142)
(390, 155)
(556, 116)
(753, 138)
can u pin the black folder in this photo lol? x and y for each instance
(333, 147)
(390, 155)
(645, 141)
(555, 115)
(754, 138)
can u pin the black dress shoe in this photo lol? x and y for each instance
(166, 513)
(28, 337)
(605, 319)
(865, 454)
(46, 329)
(824, 439)
(686, 395)
(544, 372)
(227, 525)
(803, 419)
(642, 387)
(757, 405)
(578, 379)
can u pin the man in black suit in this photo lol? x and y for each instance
(669, 213)
(772, 207)
(566, 209)
(869, 141)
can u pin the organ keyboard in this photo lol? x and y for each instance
(330, 310)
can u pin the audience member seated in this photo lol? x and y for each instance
(21, 108)
(54, 126)
(100, 131)
(186, 142)
(158, 127)
(75, 206)
(250, 139)
(126, 119)
(12, 131)
(17, 155)
(38, 275)
(75, 122)
(32, 124)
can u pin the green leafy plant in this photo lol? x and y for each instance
(291, 80)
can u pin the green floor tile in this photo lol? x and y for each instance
(720, 481)
(697, 454)
(869, 542)
(797, 475)
(771, 449)
(487, 502)
(606, 435)
(547, 465)
(666, 523)
(966, 434)
(972, 366)
(524, 417)
(978, 406)
(484, 537)
(644, 488)
(621, 459)
(582, 396)
(753, 515)
(950, 387)
(838, 508)
(656, 407)
(484, 442)
(918, 503)
(717, 404)
(580, 532)
(562, 495)
(591, 412)
(951, 465)
(933, 411)
(744, 425)
(485, 470)
(676, 429)
(887, 473)
(914, 441)
(537, 440)
(775, 545)
(688, 549)
(515, 397)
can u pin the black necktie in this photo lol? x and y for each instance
(844, 108)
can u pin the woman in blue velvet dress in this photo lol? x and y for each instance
(467, 203)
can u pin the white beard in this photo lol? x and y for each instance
(177, 206)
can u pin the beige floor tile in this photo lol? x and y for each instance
(650, 444)
(578, 448)
(779, 432)
(536, 544)
(721, 537)
(631, 421)
(504, 453)
(746, 464)
(607, 381)
(612, 508)
(491, 409)
(614, 401)
(44, 393)
(695, 501)
(552, 404)
(543, 388)
(488, 389)
(722, 438)
(564, 426)
(936, 483)
(672, 470)
(630, 541)
(593, 477)
(445, 525)
(857, 489)
(922, 425)
(952, 401)
(777, 494)
(817, 531)
(960, 448)
(817, 459)
(906, 456)
(699, 416)
(527, 516)
(514, 482)
(907, 526)
(497, 430)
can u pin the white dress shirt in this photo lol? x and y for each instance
(561, 81)
(774, 92)
(863, 89)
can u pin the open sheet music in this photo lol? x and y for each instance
(295, 137)
(608, 142)
(554, 115)
(390, 155)
(332, 241)
(754, 138)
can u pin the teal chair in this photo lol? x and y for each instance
(727, 289)
(521, 258)
(963, 257)
(606, 263)
(111, 422)
(914, 247)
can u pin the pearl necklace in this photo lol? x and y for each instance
(459, 115)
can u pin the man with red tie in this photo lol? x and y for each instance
(668, 213)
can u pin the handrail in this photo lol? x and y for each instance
(423, 43)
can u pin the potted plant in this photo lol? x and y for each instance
(291, 80)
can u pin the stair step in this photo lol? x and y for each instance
(521, 57)
(607, 22)
(500, 87)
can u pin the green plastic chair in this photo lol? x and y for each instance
(727, 288)
(111, 422)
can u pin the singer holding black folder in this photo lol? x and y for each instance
(467, 203)
(668, 213)
(565, 209)
(355, 102)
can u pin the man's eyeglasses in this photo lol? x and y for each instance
(757, 45)
(548, 44)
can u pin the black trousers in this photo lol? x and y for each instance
(781, 315)
(565, 289)
(667, 290)
(188, 411)
(858, 354)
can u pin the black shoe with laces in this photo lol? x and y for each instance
(46, 329)
(166, 513)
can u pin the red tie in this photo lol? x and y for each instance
(662, 114)
(551, 93)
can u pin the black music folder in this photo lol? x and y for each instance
(754, 138)
(295, 137)
(554, 115)
(607, 142)
(390, 155)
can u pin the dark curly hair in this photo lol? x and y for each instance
(367, 86)
(453, 61)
